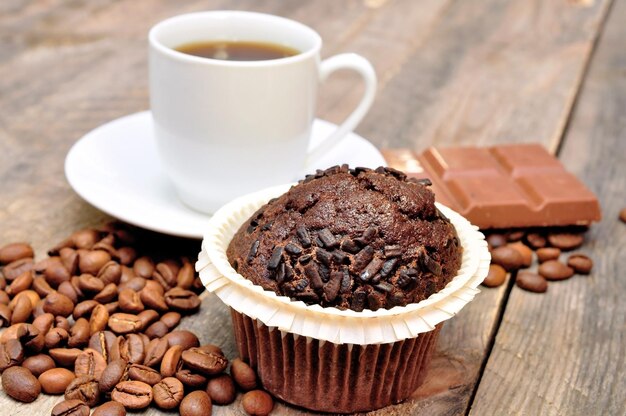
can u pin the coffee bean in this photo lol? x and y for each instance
(548, 253)
(171, 319)
(64, 356)
(221, 389)
(580, 263)
(106, 244)
(85, 389)
(58, 304)
(10, 333)
(257, 402)
(114, 372)
(68, 289)
(20, 384)
(57, 276)
(79, 334)
(182, 300)
(124, 323)
(56, 380)
(136, 284)
(153, 297)
(171, 361)
(17, 267)
(496, 240)
(144, 373)
(148, 317)
(168, 393)
(127, 274)
(622, 215)
(31, 339)
(157, 330)
(155, 352)
(103, 341)
(69, 258)
(209, 363)
(90, 284)
(110, 409)
(99, 319)
(126, 255)
(566, 241)
(144, 267)
(15, 251)
(5, 315)
(111, 307)
(70, 408)
(41, 286)
(38, 364)
(22, 310)
(11, 354)
(190, 378)
(90, 363)
(129, 301)
(184, 338)
(21, 283)
(507, 257)
(196, 403)
(84, 308)
(532, 282)
(44, 323)
(536, 240)
(515, 235)
(132, 394)
(495, 277)
(4, 298)
(243, 374)
(38, 309)
(56, 338)
(85, 238)
(525, 251)
(555, 270)
(165, 276)
(132, 349)
(62, 322)
(92, 261)
(185, 276)
(107, 294)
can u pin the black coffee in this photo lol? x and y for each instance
(237, 51)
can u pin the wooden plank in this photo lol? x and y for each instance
(78, 64)
(564, 352)
(486, 72)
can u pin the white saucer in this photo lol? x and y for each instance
(115, 168)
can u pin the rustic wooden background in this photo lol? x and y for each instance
(451, 72)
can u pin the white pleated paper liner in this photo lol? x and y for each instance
(329, 323)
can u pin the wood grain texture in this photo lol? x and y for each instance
(488, 71)
(564, 352)
(449, 72)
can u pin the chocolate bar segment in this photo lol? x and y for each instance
(503, 186)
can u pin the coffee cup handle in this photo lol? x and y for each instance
(364, 68)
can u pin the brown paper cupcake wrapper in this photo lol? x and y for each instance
(328, 377)
(331, 324)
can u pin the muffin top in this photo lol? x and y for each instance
(350, 238)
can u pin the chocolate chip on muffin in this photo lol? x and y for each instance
(350, 238)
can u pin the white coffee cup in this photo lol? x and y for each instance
(226, 128)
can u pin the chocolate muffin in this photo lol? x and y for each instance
(350, 238)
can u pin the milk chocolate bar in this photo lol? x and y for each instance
(505, 186)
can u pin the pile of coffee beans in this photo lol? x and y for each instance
(512, 250)
(95, 321)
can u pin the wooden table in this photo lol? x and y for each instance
(451, 72)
